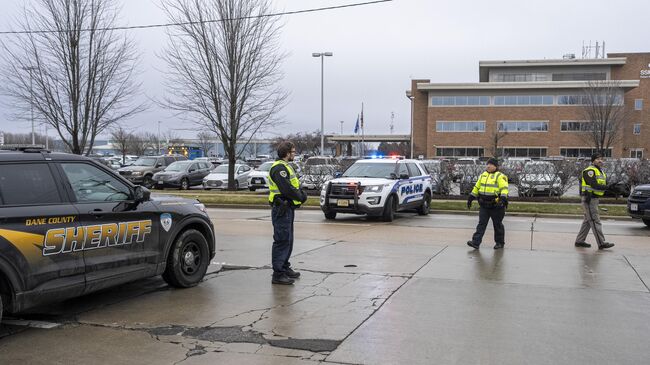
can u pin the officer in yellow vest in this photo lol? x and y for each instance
(593, 186)
(285, 197)
(491, 190)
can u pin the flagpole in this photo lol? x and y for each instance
(363, 134)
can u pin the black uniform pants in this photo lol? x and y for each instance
(484, 215)
(282, 218)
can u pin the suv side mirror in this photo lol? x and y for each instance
(159, 165)
(404, 176)
(337, 175)
(192, 170)
(141, 194)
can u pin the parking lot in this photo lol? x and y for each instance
(407, 292)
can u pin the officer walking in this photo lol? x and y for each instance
(491, 190)
(592, 187)
(285, 197)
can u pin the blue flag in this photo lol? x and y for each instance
(356, 126)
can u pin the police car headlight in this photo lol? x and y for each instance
(373, 188)
(201, 207)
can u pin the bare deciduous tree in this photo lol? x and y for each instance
(225, 68)
(495, 138)
(122, 140)
(605, 113)
(76, 73)
(205, 141)
(142, 142)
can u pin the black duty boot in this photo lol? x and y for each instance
(472, 244)
(606, 245)
(583, 244)
(499, 246)
(292, 274)
(281, 279)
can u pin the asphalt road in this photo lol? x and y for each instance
(406, 292)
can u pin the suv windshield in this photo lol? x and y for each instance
(318, 169)
(221, 169)
(380, 170)
(265, 166)
(178, 166)
(149, 161)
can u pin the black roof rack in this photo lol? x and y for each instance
(24, 148)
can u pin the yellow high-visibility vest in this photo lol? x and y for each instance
(293, 178)
(491, 185)
(601, 179)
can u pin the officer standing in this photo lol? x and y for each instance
(592, 187)
(285, 197)
(491, 190)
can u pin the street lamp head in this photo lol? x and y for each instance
(315, 54)
(328, 54)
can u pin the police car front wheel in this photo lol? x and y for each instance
(188, 260)
(389, 209)
(425, 208)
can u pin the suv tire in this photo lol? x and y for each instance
(148, 182)
(389, 209)
(185, 184)
(425, 208)
(646, 221)
(330, 215)
(188, 260)
(0, 308)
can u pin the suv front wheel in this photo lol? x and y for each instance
(188, 260)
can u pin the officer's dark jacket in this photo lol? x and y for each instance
(287, 191)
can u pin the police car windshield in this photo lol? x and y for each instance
(178, 166)
(380, 170)
(145, 162)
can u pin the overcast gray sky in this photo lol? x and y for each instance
(379, 48)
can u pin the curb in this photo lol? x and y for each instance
(434, 211)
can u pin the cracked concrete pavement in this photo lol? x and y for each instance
(370, 293)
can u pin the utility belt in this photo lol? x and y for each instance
(489, 201)
(279, 201)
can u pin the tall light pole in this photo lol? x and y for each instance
(342, 126)
(31, 100)
(322, 56)
(159, 137)
(411, 98)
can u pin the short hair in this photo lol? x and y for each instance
(595, 156)
(284, 148)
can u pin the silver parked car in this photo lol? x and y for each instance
(218, 178)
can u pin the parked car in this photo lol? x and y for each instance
(461, 165)
(258, 179)
(182, 175)
(513, 167)
(316, 175)
(218, 178)
(142, 170)
(320, 160)
(638, 203)
(539, 178)
(617, 171)
(440, 172)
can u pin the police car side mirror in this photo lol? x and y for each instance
(141, 194)
(403, 176)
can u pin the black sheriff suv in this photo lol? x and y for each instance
(70, 226)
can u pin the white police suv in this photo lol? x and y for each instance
(378, 187)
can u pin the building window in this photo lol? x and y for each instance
(460, 126)
(637, 128)
(582, 152)
(459, 151)
(585, 100)
(575, 125)
(584, 76)
(636, 153)
(520, 77)
(523, 100)
(532, 152)
(523, 126)
(465, 100)
(638, 104)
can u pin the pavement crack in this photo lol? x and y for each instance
(637, 273)
(532, 231)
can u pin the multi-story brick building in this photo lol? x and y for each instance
(539, 103)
